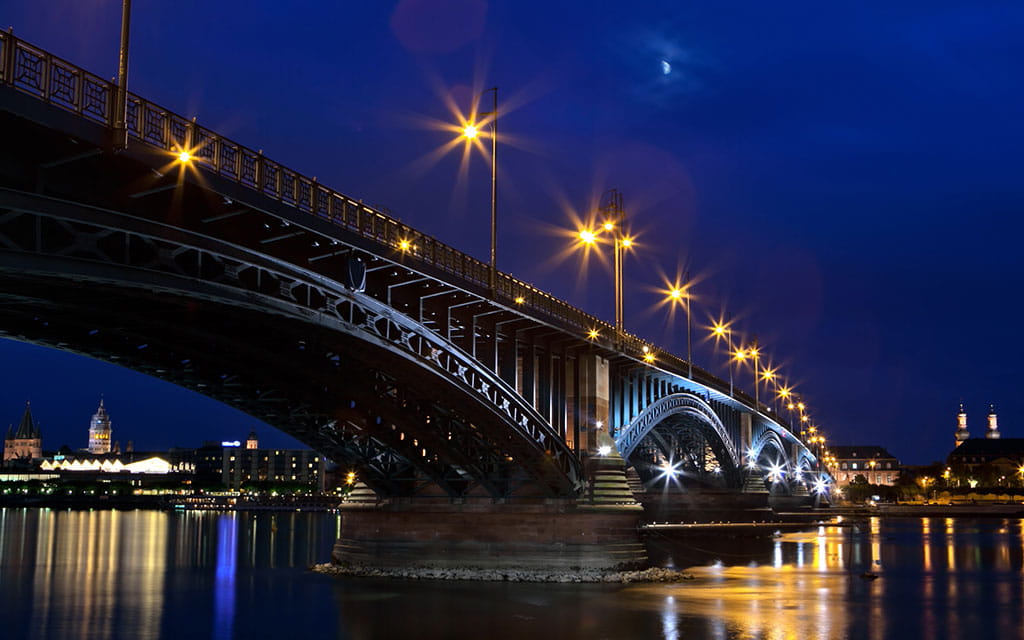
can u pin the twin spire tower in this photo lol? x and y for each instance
(962, 434)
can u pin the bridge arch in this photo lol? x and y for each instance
(350, 376)
(679, 423)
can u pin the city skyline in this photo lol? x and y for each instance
(833, 219)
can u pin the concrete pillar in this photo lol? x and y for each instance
(593, 398)
(746, 437)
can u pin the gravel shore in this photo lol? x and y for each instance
(654, 574)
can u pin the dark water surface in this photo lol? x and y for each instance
(152, 574)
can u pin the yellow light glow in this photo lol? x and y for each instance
(648, 357)
(740, 354)
(626, 242)
(676, 294)
(184, 157)
(588, 236)
(350, 479)
(470, 131)
(520, 300)
(593, 334)
(767, 374)
(804, 419)
(404, 245)
(801, 406)
(784, 393)
(608, 226)
(718, 330)
(754, 352)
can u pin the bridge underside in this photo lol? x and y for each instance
(93, 282)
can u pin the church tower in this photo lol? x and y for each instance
(961, 426)
(251, 442)
(27, 442)
(993, 424)
(99, 431)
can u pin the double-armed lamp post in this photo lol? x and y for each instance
(614, 215)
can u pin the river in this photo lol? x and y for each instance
(152, 574)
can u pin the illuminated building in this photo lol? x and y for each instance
(877, 465)
(152, 465)
(27, 442)
(240, 466)
(100, 431)
(251, 442)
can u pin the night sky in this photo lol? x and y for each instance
(846, 181)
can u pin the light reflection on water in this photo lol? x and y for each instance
(151, 574)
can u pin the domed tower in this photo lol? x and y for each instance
(961, 426)
(100, 431)
(993, 424)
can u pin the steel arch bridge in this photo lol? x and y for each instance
(381, 347)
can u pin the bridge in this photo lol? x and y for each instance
(192, 258)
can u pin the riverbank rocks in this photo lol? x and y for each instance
(654, 574)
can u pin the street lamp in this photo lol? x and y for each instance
(121, 98)
(470, 132)
(723, 330)
(679, 294)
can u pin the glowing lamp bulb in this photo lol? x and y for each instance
(470, 131)
(604, 450)
(608, 226)
(184, 157)
(588, 236)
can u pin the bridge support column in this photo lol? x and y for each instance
(746, 435)
(591, 403)
(554, 535)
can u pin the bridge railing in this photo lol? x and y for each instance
(60, 83)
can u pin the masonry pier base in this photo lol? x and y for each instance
(552, 535)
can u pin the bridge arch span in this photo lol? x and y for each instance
(680, 429)
(338, 369)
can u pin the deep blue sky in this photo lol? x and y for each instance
(846, 180)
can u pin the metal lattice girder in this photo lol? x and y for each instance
(120, 251)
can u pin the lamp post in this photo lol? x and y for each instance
(471, 131)
(121, 97)
(755, 355)
(614, 223)
(720, 331)
(615, 219)
(689, 333)
(682, 294)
